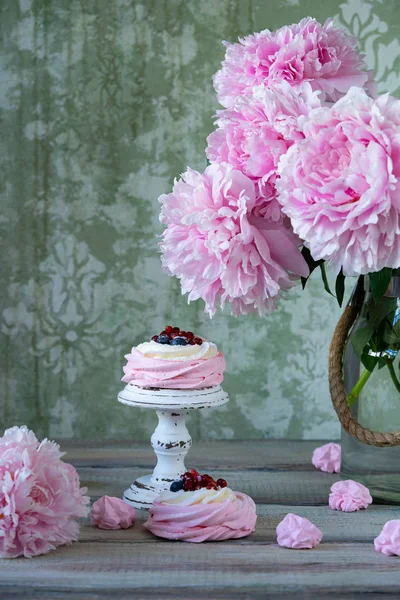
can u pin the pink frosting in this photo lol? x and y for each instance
(174, 374)
(203, 522)
(388, 541)
(112, 513)
(327, 458)
(349, 496)
(296, 532)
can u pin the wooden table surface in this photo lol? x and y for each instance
(134, 564)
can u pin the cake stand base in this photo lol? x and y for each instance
(171, 440)
(142, 493)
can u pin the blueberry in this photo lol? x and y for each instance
(163, 339)
(179, 341)
(176, 486)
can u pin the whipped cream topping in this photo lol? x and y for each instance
(202, 496)
(179, 353)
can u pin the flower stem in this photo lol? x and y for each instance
(393, 374)
(355, 392)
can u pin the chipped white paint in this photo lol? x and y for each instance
(171, 440)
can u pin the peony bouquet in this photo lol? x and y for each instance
(40, 496)
(304, 171)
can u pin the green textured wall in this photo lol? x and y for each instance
(102, 104)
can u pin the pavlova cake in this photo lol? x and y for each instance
(175, 359)
(199, 509)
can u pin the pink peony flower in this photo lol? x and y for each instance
(388, 541)
(296, 532)
(112, 513)
(327, 458)
(253, 136)
(341, 185)
(349, 496)
(40, 496)
(323, 55)
(220, 245)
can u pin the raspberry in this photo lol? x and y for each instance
(207, 480)
(187, 475)
(189, 485)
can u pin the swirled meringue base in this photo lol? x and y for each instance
(204, 521)
(174, 373)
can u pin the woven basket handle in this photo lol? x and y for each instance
(337, 389)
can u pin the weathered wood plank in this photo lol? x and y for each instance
(231, 455)
(270, 487)
(336, 526)
(331, 567)
(225, 593)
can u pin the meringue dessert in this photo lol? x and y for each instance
(199, 509)
(175, 359)
(297, 532)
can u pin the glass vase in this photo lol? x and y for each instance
(377, 405)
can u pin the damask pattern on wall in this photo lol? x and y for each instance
(102, 105)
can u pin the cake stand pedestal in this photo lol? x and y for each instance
(171, 439)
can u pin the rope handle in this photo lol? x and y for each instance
(337, 389)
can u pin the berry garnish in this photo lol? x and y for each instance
(163, 339)
(170, 333)
(207, 480)
(189, 485)
(187, 475)
(178, 341)
(176, 486)
(192, 480)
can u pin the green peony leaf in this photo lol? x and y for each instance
(312, 264)
(380, 281)
(340, 287)
(369, 362)
(361, 338)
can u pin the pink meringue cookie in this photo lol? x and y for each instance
(112, 513)
(203, 522)
(146, 371)
(296, 532)
(388, 541)
(327, 458)
(349, 496)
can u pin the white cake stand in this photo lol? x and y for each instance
(171, 440)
